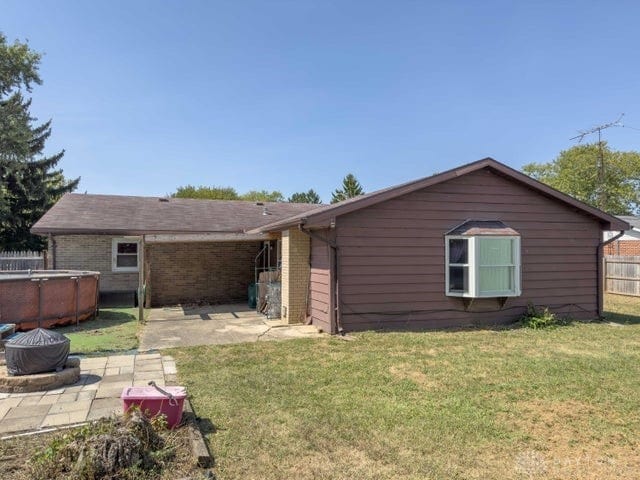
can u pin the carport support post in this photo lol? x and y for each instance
(295, 275)
(141, 292)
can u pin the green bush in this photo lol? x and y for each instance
(536, 319)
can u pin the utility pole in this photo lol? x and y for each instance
(602, 191)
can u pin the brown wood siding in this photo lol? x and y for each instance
(392, 265)
(319, 286)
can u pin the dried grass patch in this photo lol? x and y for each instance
(406, 371)
(572, 350)
(562, 443)
(351, 462)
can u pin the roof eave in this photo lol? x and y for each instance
(620, 225)
(606, 220)
(133, 232)
(278, 226)
(325, 217)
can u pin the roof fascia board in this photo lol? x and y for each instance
(608, 220)
(323, 218)
(207, 237)
(160, 235)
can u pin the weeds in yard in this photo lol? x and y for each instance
(537, 319)
(126, 448)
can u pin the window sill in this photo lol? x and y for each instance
(492, 295)
(125, 270)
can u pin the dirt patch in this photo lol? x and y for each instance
(562, 443)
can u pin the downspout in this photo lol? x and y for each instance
(141, 280)
(601, 272)
(336, 297)
(52, 239)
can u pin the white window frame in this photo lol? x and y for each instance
(114, 254)
(473, 267)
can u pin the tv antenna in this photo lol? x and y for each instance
(602, 192)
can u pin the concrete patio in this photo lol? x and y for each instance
(95, 395)
(214, 325)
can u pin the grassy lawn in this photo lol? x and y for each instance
(622, 309)
(509, 404)
(114, 329)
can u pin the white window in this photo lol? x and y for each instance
(482, 266)
(124, 255)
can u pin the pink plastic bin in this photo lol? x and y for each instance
(152, 402)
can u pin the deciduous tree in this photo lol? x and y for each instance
(576, 172)
(263, 196)
(226, 193)
(305, 197)
(206, 193)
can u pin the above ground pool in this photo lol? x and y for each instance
(46, 298)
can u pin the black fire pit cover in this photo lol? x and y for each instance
(36, 351)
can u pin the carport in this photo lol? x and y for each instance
(168, 250)
(198, 269)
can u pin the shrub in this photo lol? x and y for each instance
(536, 319)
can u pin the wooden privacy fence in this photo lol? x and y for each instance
(23, 260)
(622, 275)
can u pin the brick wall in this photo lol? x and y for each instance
(91, 252)
(213, 272)
(623, 247)
(295, 275)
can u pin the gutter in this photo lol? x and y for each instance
(601, 272)
(335, 314)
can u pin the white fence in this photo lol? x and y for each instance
(622, 275)
(23, 260)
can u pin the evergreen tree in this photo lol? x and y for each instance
(350, 188)
(29, 182)
(305, 197)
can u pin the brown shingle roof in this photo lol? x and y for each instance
(127, 215)
(482, 227)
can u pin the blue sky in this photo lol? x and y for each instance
(289, 95)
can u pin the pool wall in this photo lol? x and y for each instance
(46, 298)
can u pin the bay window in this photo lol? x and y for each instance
(483, 265)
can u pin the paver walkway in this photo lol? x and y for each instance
(95, 395)
(214, 325)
